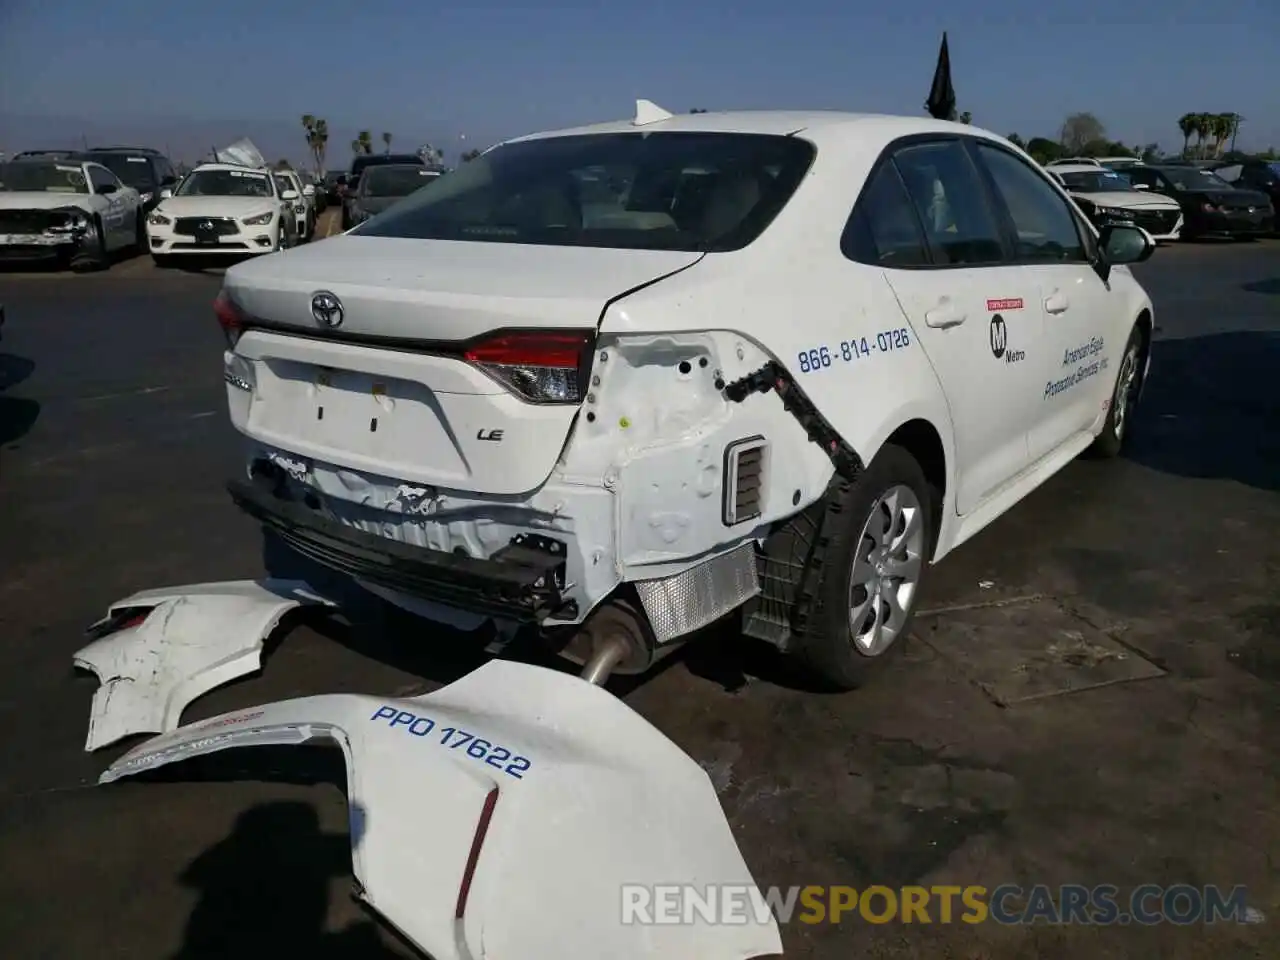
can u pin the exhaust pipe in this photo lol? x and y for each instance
(616, 638)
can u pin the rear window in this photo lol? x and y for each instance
(647, 191)
(133, 170)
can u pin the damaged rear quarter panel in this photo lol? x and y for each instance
(671, 427)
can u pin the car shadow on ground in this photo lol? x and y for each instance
(1211, 409)
(17, 414)
(264, 892)
(52, 266)
(1271, 286)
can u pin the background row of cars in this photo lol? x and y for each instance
(83, 207)
(1176, 200)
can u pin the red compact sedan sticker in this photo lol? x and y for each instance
(1014, 303)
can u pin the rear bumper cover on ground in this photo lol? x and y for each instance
(520, 582)
(158, 650)
(507, 814)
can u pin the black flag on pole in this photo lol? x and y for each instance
(942, 95)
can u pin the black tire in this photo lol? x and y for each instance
(827, 650)
(1119, 420)
(93, 254)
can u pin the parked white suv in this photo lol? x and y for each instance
(303, 204)
(222, 209)
(1107, 196)
(614, 382)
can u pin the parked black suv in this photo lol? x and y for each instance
(146, 170)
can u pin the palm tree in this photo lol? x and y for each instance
(1201, 130)
(365, 139)
(1187, 124)
(386, 142)
(317, 139)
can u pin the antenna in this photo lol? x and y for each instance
(649, 112)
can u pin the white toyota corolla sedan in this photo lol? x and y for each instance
(613, 383)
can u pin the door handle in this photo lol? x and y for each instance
(944, 315)
(1056, 302)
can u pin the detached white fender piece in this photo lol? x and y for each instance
(501, 816)
(158, 650)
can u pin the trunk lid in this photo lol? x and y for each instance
(444, 290)
(387, 390)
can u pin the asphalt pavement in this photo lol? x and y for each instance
(1091, 697)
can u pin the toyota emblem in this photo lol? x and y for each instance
(206, 224)
(326, 309)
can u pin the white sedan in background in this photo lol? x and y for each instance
(68, 210)
(222, 209)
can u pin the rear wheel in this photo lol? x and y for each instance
(871, 572)
(1124, 399)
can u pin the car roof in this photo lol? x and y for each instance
(776, 122)
(404, 166)
(229, 166)
(1080, 168)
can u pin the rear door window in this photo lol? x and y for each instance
(951, 201)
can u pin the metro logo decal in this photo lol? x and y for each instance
(1013, 303)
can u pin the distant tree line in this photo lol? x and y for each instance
(1083, 135)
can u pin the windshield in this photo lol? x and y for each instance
(394, 181)
(42, 176)
(652, 191)
(283, 183)
(1105, 181)
(132, 171)
(225, 183)
(1189, 178)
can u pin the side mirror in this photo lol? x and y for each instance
(166, 193)
(107, 188)
(289, 195)
(1121, 243)
(309, 190)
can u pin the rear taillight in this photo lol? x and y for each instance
(230, 317)
(541, 366)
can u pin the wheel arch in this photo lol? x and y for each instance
(920, 438)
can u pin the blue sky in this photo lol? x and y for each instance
(184, 72)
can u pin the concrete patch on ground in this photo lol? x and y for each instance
(1029, 649)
